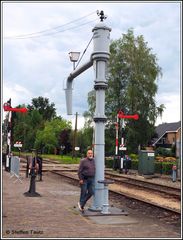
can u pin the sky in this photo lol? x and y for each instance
(38, 36)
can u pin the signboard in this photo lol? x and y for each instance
(150, 154)
(123, 148)
(18, 144)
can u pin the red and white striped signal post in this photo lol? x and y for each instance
(7, 107)
(122, 147)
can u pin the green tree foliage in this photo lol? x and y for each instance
(25, 126)
(110, 140)
(85, 139)
(132, 74)
(39, 128)
(46, 109)
(64, 140)
(48, 139)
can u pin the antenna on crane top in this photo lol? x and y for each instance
(101, 14)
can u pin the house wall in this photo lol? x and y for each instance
(174, 137)
(171, 138)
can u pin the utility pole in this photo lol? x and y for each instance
(74, 137)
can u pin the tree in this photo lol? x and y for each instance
(25, 126)
(48, 139)
(64, 140)
(132, 74)
(39, 127)
(85, 139)
(46, 109)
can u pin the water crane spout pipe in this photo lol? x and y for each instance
(68, 90)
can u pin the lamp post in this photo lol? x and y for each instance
(62, 150)
(74, 56)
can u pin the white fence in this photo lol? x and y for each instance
(15, 168)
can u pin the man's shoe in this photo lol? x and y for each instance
(80, 208)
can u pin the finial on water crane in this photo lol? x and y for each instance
(101, 14)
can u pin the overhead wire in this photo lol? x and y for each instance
(47, 31)
(84, 51)
(48, 34)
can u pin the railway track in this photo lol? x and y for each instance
(153, 194)
(115, 191)
(167, 191)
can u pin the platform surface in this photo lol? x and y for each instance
(55, 214)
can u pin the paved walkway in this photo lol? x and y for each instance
(55, 214)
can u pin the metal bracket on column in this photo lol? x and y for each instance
(100, 85)
(100, 119)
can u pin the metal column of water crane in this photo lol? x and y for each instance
(99, 58)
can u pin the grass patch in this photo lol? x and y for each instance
(62, 159)
(65, 159)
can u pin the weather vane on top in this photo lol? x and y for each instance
(101, 14)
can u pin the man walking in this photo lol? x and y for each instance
(86, 173)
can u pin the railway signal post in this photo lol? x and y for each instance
(7, 107)
(119, 159)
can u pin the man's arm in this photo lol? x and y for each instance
(80, 172)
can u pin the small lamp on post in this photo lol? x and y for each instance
(62, 150)
(74, 56)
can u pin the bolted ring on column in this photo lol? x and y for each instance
(100, 119)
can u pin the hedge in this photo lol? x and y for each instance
(159, 167)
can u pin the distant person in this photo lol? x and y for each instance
(33, 165)
(174, 173)
(86, 174)
(40, 165)
(127, 163)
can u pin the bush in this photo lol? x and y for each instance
(170, 159)
(160, 151)
(133, 156)
(134, 164)
(109, 163)
(159, 159)
(158, 167)
(167, 168)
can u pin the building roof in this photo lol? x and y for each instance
(164, 128)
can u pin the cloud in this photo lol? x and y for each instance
(35, 67)
(18, 95)
(172, 111)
